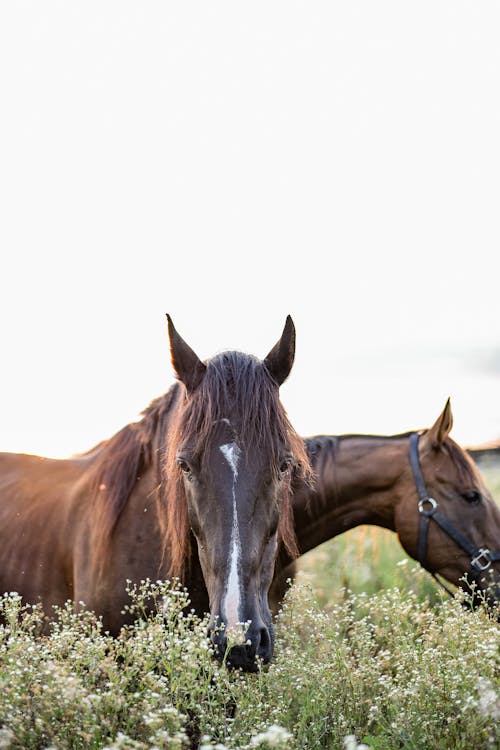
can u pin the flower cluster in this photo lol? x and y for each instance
(384, 670)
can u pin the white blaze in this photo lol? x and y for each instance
(232, 598)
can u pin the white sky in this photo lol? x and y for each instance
(230, 163)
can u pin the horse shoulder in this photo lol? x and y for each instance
(37, 526)
(120, 541)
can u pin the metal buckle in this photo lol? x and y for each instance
(428, 511)
(476, 561)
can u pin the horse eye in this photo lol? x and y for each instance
(285, 466)
(472, 496)
(183, 466)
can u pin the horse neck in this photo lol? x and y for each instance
(359, 480)
(125, 474)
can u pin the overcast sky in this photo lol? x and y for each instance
(230, 163)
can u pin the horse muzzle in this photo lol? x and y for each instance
(243, 649)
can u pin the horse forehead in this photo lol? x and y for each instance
(223, 431)
(441, 464)
(240, 459)
(232, 454)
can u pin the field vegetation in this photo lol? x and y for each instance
(369, 652)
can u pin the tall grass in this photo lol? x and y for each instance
(364, 560)
(386, 669)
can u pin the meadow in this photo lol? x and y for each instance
(369, 653)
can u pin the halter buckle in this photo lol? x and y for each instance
(427, 511)
(477, 560)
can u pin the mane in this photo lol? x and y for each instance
(323, 450)
(240, 386)
(234, 384)
(122, 460)
(396, 436)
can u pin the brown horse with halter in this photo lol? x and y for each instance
(199, 488)
(424, 487)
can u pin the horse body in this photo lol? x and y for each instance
(47, 527)
(199, 489)
(367, 479)
(36, 534)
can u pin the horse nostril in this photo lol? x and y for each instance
(264, 645)
(260, 643)
(218, 640)
(257, 647)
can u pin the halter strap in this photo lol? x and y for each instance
(423, 500)
(415, 465)
(480, 557)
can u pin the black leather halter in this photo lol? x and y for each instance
(480, 557)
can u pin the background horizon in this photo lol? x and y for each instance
(232, 165)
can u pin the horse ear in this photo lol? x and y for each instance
(187, 365)
(441, 428)
(279, 361)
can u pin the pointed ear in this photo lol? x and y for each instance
(440, 430)
(279, 361)
(188, 367)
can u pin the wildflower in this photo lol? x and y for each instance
(351, 743)
(123, 742)
(6, 737)
(274, 736)
(489, 700)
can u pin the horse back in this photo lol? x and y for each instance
(38, 521)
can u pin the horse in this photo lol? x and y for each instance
(422, 485)
(198, 489)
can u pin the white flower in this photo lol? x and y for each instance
(351, 743)
(6, 737)
(489, 700)
(274, 736)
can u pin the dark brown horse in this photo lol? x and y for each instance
(451, 525)
(199, 488)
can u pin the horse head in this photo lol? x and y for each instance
(453, 525)
(232, 450)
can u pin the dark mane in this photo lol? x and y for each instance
(240, 386)
(396, 436)
(122, 460)
(323, 450)
(236, 385)
(317, 444)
